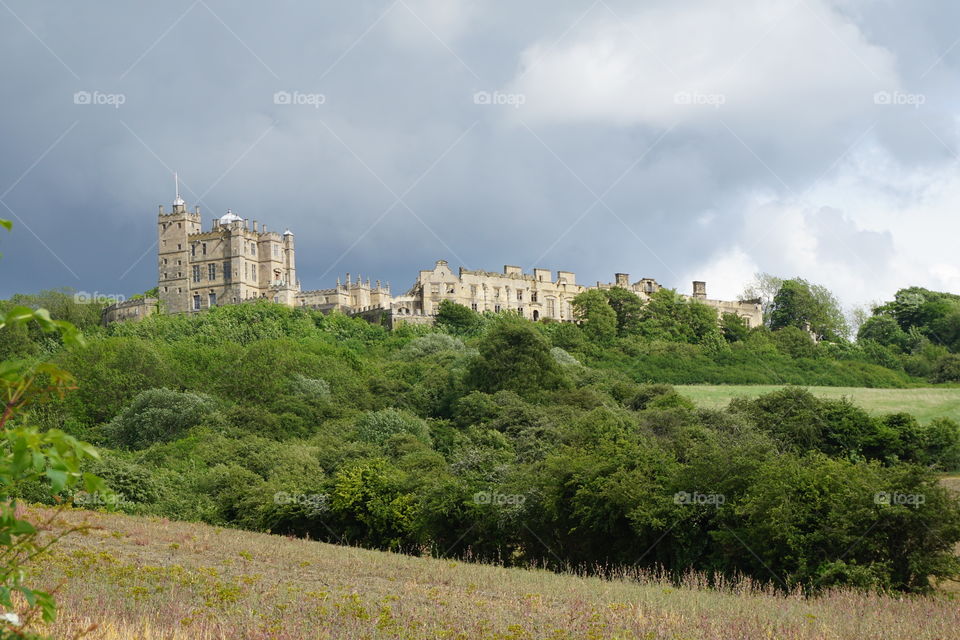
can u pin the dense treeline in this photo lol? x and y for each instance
(920, 329)
(494, 438)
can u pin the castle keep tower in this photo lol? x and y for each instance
(173, 231)
(232, 262)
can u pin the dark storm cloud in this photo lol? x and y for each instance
(389, 163)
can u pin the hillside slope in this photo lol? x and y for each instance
(150, 578)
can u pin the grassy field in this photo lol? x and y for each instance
(139, 578)
(925, 404)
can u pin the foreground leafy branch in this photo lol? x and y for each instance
(31, 457)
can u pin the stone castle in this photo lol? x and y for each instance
(239, 260)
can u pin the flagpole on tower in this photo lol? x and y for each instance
(176, 182)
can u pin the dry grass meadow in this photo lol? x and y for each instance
(148, 578)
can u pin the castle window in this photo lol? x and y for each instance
(164, 275)
(276, 251)
(551, 307)
(533, 297)
(213, 299)
(473, 291)
(196, 303)
(179, 262)
(179, 247)
(473, 306)
(196, 273)
(165, 289)
(204, 248)
(227, 274)
(179, 225)
(435, 289)
(211, 272)
(496, 308)
(520, 295)
(164, 261)
(193, 249)
(253, 274)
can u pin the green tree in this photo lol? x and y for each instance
(597, 318)
(801, 304)
(628, 308)
(514, 356)
(457, 319)
(734, 327)
(883, 329)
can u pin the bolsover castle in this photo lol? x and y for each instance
(237, 260)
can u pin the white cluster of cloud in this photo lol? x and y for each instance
(768, 63)
(759, 83)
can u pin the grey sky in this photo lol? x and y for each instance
(674, 140)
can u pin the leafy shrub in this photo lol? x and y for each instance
(794, 342)
(132, 482)
(562, 357)
(647, 393)
(947, 368)
(158, 415)
(430, 344)
(376, 427)
(310, 389)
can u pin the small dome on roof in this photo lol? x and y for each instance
(230, 217)
(288, 232)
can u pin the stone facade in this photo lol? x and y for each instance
(540, 295)
(236, 261)
(130, 310)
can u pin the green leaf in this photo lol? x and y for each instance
(93, 484)
(22, 527)
(6, 224)
(58, 479)
(29, 594)
(47, 605)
